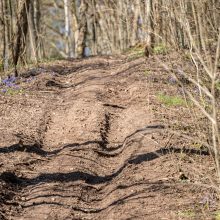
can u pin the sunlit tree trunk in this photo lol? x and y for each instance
(68, 38)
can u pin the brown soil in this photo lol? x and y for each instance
(87, 140)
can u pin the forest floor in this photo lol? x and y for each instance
(89, 139)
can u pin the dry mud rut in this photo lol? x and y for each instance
(82, 142)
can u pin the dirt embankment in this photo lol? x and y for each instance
(83, 142)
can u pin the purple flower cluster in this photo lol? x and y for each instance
(9, 83)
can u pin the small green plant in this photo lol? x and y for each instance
(14, 91)
(135, 55)
(160, 49)
(217, 86)
(135, 52)
(187, 214)
(171, 100)
(187, 56)
(147, 72)
(217, 215)
(1, 67)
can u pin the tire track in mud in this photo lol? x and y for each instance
(94, 145)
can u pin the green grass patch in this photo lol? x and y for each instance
(171, 100)
(187, 214)
(217, 86)
(135, 52)
(1, 67)
(217, 215)
(11, 92)
(187, 56)
(160, 49)
(147, 73)
(135, 56)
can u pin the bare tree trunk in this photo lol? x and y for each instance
(4, 6)
(82, 28)
(152, 29)
(21, 32)
(32, 32)
(37, 28)
(68, 40)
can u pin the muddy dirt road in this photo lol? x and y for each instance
(82, 142)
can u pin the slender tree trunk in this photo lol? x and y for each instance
(67, 29)
(5, 14)
(152, 29)
(82, 28)
(21, 32)
(32, 32)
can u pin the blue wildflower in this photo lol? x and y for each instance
(10, 84)
(9, 80)
(4, 81)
